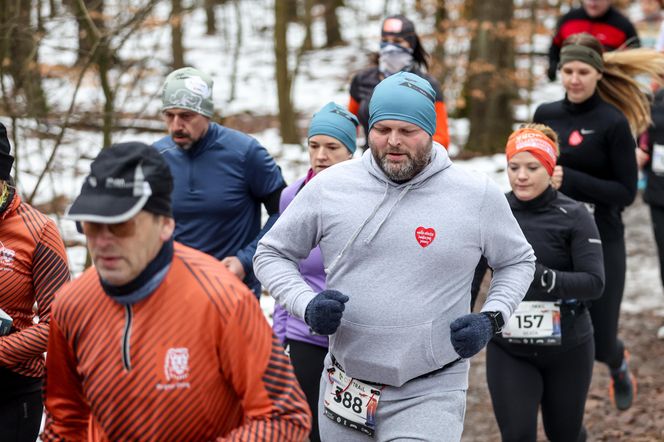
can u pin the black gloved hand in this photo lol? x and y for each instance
(323, 313)
(552, 71)
(470, 333)
(545, 278)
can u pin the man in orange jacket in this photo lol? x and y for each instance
(159, 341)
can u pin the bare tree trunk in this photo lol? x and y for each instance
(332, 32)
(307, 44)
(291, 10)
(40, 19)
(176, 34)
(236, 49)
(105, 63)
(286, 113)
(103, 58)
(19, 51)
(95, 9)
(531, 55)
(210, 20)
(419, 7)
(491, 76)
(438, 68)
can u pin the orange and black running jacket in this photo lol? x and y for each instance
(194, 361)
(33, 266)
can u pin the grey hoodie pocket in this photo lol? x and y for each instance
(390, 355)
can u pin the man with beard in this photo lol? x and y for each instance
(221, 177)
(401, 231)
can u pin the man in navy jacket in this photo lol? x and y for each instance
(221, 177)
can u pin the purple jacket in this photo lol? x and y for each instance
(312, 270)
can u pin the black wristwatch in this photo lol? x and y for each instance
(497, 321)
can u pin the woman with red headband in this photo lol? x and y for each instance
(544, 355)
(604, 106)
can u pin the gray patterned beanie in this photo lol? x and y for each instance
(188, 88)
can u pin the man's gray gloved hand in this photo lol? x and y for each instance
(470, 334)
(323, 313)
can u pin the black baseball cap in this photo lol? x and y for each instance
(400, 26)
(124, 179)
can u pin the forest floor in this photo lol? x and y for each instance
(640, 319)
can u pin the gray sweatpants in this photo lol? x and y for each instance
(427, 409)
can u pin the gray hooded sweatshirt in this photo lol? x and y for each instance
(404, 254)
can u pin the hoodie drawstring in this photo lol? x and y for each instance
(375, 232)
(358, 230)
(366, 221)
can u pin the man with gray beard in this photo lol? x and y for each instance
(401, 231)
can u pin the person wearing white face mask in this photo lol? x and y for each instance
(400, 50)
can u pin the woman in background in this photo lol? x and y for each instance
(544, 357)
(331, 140)
(400, 50)
(604, 106)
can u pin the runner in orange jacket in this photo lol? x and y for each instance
(33, 265)
(159, 341)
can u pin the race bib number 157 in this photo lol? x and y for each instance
(534, 322)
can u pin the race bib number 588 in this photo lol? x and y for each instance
(351, 403)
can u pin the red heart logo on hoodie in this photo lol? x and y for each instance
(575, 138)
(425, 236)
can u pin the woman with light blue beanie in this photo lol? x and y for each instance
(331, 139)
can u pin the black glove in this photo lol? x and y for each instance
(552, 71)
(545, 278)
(323, 313)
(470, 333)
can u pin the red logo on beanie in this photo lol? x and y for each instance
(575, 138)
(425, 236)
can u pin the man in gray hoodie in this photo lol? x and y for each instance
(401, 231)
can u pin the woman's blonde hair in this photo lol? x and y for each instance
(546, 130)
(4, 192)
(618, 85)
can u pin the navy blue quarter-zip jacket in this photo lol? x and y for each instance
(219, 185)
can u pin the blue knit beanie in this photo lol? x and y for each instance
(336, 122)
(404, 96)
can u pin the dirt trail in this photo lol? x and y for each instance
(642, 315)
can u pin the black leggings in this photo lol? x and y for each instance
(20, 417)
(557, 381)
(605, 311)
(657, 216)
(308, 360)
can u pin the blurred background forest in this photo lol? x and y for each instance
(97, 64)
(77, 75)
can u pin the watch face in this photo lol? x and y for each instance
(499, 319)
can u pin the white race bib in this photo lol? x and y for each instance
(351, 403)
(534, 322)
(657, 159)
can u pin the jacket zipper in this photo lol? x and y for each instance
(190, 178)
(126, 338)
